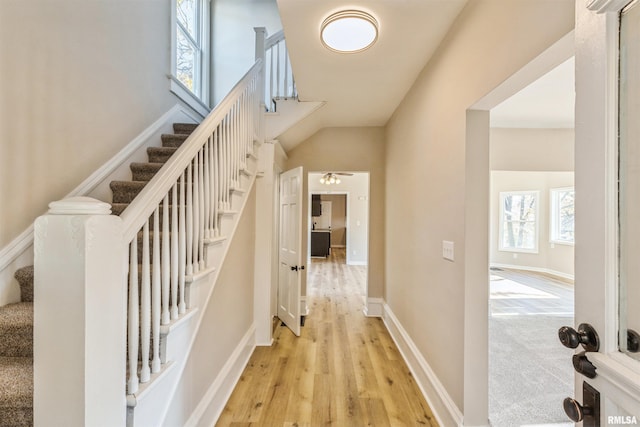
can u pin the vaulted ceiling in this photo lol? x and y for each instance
(365, 88)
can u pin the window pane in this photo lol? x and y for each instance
(519, 235)
(188, 16)
(566, 215)
(520, 207)
(185, 61)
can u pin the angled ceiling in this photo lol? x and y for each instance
(548, 102)
(361, 89)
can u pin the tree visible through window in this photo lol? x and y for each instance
(562, 215)
(189, 44)
(519, 221)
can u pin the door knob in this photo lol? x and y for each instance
(589, 411)
(585, 335)
(575, 411)
(294, 268)
(583, 366)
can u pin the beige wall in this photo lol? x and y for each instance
(425, 169)
(532, 149)
(227, 318)
(78, 80)
(358, 150)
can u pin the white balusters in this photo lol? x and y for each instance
(201, 210)
(166, 260)
(207, 189)
(182, 247)
(133, 333)
(175, 270)
(145, 307)
(183, 221)
(155, 295)
(189, 185)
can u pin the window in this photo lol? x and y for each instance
(189, 72)
(562, 215)
(519, 221)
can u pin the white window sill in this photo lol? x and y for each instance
(179, 90)
(559, 242)
(519, 251)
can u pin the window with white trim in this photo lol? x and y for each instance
(189, 61)
(562, 224)
(519, 221)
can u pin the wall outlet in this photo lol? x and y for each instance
(447, 250)
(515, 256)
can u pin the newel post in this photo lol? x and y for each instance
(79, 316)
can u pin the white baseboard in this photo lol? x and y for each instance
(442, 405)
(213, 402)
(374, 307)
(536, 270)
(357, 263)
(338, 246)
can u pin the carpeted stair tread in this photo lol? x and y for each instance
(16, 330)
(16, 386)
(118, 208)
(24, 276)
(144, 171)
(173, 140)
(184, 127)
(126, 191)
(160, 154)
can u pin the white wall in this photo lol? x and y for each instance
(425, 171)
(532, 159)
(227, 319)
(78, 80)
(554, 258)
(357, 187)
(234, 39)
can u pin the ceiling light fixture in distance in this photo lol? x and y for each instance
(349, 31)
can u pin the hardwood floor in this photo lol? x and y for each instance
(343, 370)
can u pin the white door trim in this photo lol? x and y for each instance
(476, 323)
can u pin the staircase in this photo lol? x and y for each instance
(16, 320)
(16, 356)
(177, 225)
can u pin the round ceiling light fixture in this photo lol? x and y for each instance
(349, 31)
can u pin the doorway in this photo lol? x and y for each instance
(338, 227)
(490, 242)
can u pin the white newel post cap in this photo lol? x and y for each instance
(79, 206)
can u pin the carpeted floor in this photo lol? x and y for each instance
(530, 372)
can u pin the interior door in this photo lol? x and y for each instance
(607, 255)
(290, 243)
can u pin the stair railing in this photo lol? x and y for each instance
(280, 83)
(170, 222)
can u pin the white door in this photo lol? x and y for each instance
(607, 255)
(290, 242)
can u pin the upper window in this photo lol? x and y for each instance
(519, 221)
(189, 59)
(189, 44)
(562, 215)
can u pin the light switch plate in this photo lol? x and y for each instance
(447, 250)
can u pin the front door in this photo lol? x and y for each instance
(290, 242)
(607, 260)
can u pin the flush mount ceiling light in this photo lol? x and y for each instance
(349, 31)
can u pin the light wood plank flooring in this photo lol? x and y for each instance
(344, 369)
